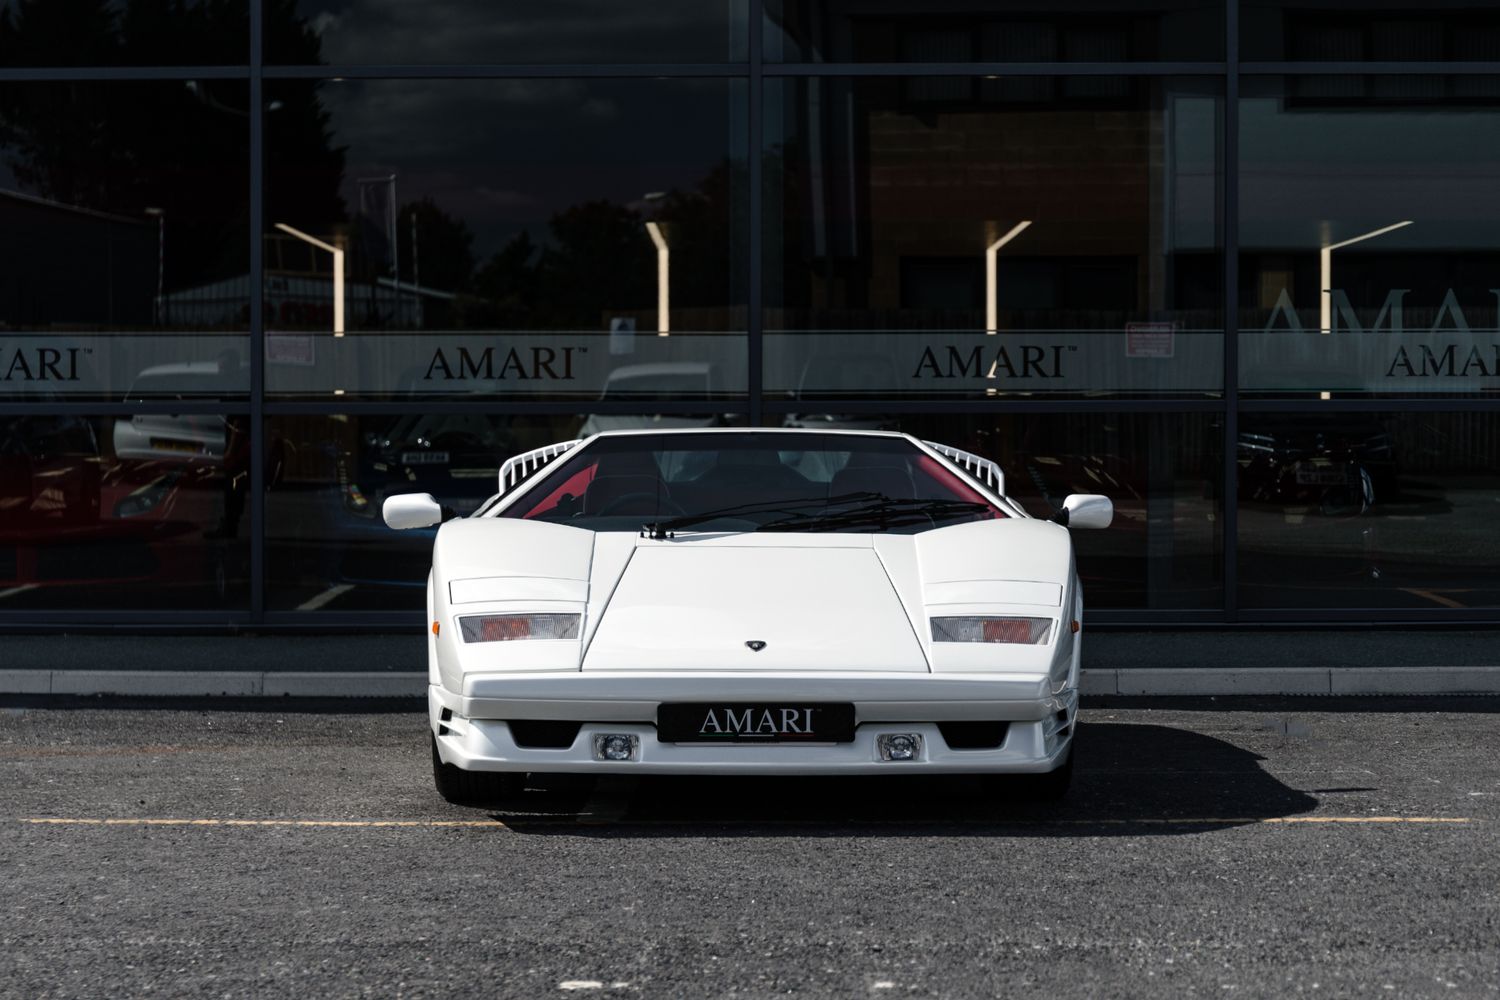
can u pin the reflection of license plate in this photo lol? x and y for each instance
(176, 444)
(1322, 475)
(424, 458)
(760, 722)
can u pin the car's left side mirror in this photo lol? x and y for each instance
(413, 510)
(1085, 510)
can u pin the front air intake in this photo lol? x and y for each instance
(543, 734)
(974, 735)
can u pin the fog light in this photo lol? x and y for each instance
(615, 746)
(899, 746)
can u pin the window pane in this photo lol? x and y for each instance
(1161, 470)
(1368, 222)
(974, 236)
(127, 32)
(326, 544)
(123, 512)
(444, 32)
(123, 271)
(1004, 31)
(1339, 30)
(587, 240)
(1389, 510)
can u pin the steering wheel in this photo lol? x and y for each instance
(614, 505)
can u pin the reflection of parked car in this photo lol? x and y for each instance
(1337, 466)
(842, 376)
(163, 435)
(666, 382)
(453, 456)
(68, 517)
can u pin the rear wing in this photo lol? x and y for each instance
(526, 464)
(982, 469)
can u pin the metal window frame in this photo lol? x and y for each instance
(755, 406)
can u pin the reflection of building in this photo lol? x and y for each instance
(70, 267)
(1268, 327)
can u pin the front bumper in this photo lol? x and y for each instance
(472, 732)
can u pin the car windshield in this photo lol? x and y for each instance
(752, 482)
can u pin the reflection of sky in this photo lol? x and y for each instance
(506, 155)
(1349, 171)
(443, 32)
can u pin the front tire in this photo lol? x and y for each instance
(462, 787)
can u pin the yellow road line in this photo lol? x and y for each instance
(439, 823)
(1446, 602)
(577, 821)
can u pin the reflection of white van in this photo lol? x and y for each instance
(201, 436)
(665, 382)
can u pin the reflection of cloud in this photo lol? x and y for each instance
(492, 31)
(507, 155)
(503, 199)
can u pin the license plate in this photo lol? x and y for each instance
(1322, 475)
(757, 722)
(424, 458)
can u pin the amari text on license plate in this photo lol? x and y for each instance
(757, 722)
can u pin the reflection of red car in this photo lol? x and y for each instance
(69, 518)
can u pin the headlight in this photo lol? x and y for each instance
(1027, 631)
(503, 628)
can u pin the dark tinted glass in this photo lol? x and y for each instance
(1005, 31)
(123, 512)
(326, 544)
(1386, 510)
(989, 236)
(752, 482)
(527, 238)
(1340, 30)
(126, 32)
(443, 32)
(1161, 470)
(124, 267)
(1368, 230)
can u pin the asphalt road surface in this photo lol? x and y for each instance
(1301, 847)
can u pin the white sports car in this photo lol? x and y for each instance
(750, 602)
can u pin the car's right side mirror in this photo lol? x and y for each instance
(412, 510)
(1085, 510)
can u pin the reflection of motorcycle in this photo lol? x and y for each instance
(1338, 469)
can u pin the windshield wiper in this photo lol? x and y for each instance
(886, 512)
(662, 529)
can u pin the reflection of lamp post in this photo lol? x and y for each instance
(338, 273)
(663, 266)
(160, 215)
(1325, 273)
(991, 279)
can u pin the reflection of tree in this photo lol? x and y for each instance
(182, 146)
(445, 246)
(600, 261)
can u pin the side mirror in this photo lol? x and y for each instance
(413, 510)
(1084, 510)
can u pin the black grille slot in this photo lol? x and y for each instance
(444, 716)
(543, 734)
(974, 735)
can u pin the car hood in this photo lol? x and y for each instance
(831, 602)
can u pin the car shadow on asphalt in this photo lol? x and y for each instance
(1130, 780)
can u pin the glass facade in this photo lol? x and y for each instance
(1233, 263)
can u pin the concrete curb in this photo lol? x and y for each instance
(224, 683)
(1191, 681)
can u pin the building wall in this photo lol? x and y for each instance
(1232, 262)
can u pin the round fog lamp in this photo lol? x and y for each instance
(614, 746)
(900, 746)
